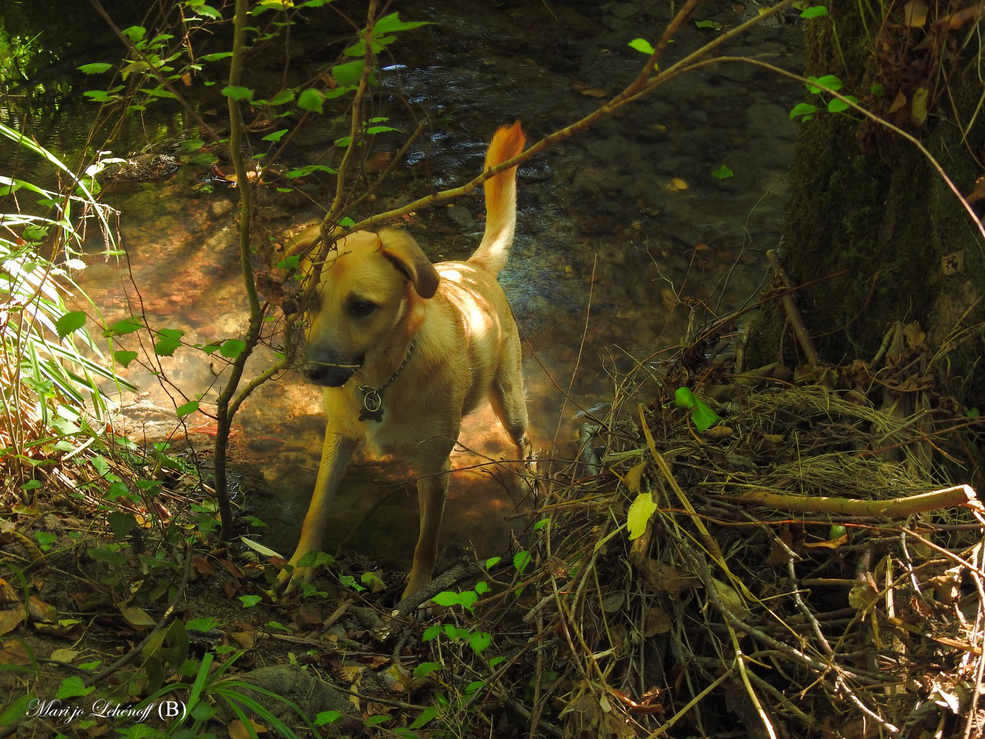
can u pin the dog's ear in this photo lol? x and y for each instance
(400, 248)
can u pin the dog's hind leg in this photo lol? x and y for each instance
(507, 399)
(337, 450)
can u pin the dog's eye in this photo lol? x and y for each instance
(361, 308)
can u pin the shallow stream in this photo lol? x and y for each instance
(616, 227)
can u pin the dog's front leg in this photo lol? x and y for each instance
(337, 450)
(432, 489)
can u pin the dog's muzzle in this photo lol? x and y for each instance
(321, 371)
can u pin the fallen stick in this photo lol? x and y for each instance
(959, 495)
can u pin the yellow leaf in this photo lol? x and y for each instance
(915, 13)
(918, 108)
(675, 185)
(639, 514)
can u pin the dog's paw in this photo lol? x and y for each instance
(290, 579)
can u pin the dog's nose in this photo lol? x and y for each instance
(327, 374)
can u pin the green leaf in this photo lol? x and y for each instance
(837, 106)
(124, 357)
(722, 173)
(426, 668)
(170, 340)
(45, 539)
(201, 624)
(276, 135)
(348, 73)
(804, 109)
(641, 45)
(121, 328)
(703, 416)
(521, 560)
(121, 523)
(216, 56)
(186, 409)
(17, 709)
(134, 33)
(70, 322)
(232, 348)
(312, 100)
(479, 641)
(431, 632)
(95, 68)
(425, 717)
(210, 12)
(829, 81)
(282, 98)
(249, 601)
(100, 96)
(639, 514)
(237, 92)
(72, 687)
(815, 11)
(316, 559)
(327, 717)
(392, 23)
(709, 24)
(447, 598)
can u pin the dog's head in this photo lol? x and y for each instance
(370, 289)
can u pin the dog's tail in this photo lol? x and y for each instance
(500, 200)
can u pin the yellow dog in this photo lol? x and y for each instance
(404, 349)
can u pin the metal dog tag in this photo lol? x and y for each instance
(372, 405)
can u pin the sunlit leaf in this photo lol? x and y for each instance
(186, 409)
(95, 68)
(642, 45)
(70, 322)
(126, 326)
(232, 348)
(639, 514)
(169, 341)
(237, 92)
(392, 23)
(312, 100)
(815, 11)
(803, 109)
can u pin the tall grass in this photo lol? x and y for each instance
(52, 373)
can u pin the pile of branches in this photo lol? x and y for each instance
(800, 575)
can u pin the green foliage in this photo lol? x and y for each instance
(702, 416)
(819, 86)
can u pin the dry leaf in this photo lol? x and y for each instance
(137, 617)
(718, 432)
(675, 185)
(10, 620)
(663, 577)
(658, 621)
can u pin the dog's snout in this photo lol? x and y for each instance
(328, 369)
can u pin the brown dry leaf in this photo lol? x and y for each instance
(663, 577)
(305, 617)
(245, 639)
(861, 596)
(592, 92)
(8, 593)
(675, 185)
(829, 544)
(913, 334)
(658, 621)
(898, 102)
(41, 611)
(731, 599)
(137, 617)
(718, 432)
(14, 653)
(915, 13)
(202, 566)
(633, 476)
(10, 620)
(238, 730)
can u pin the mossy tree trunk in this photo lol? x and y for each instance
(868, 212)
